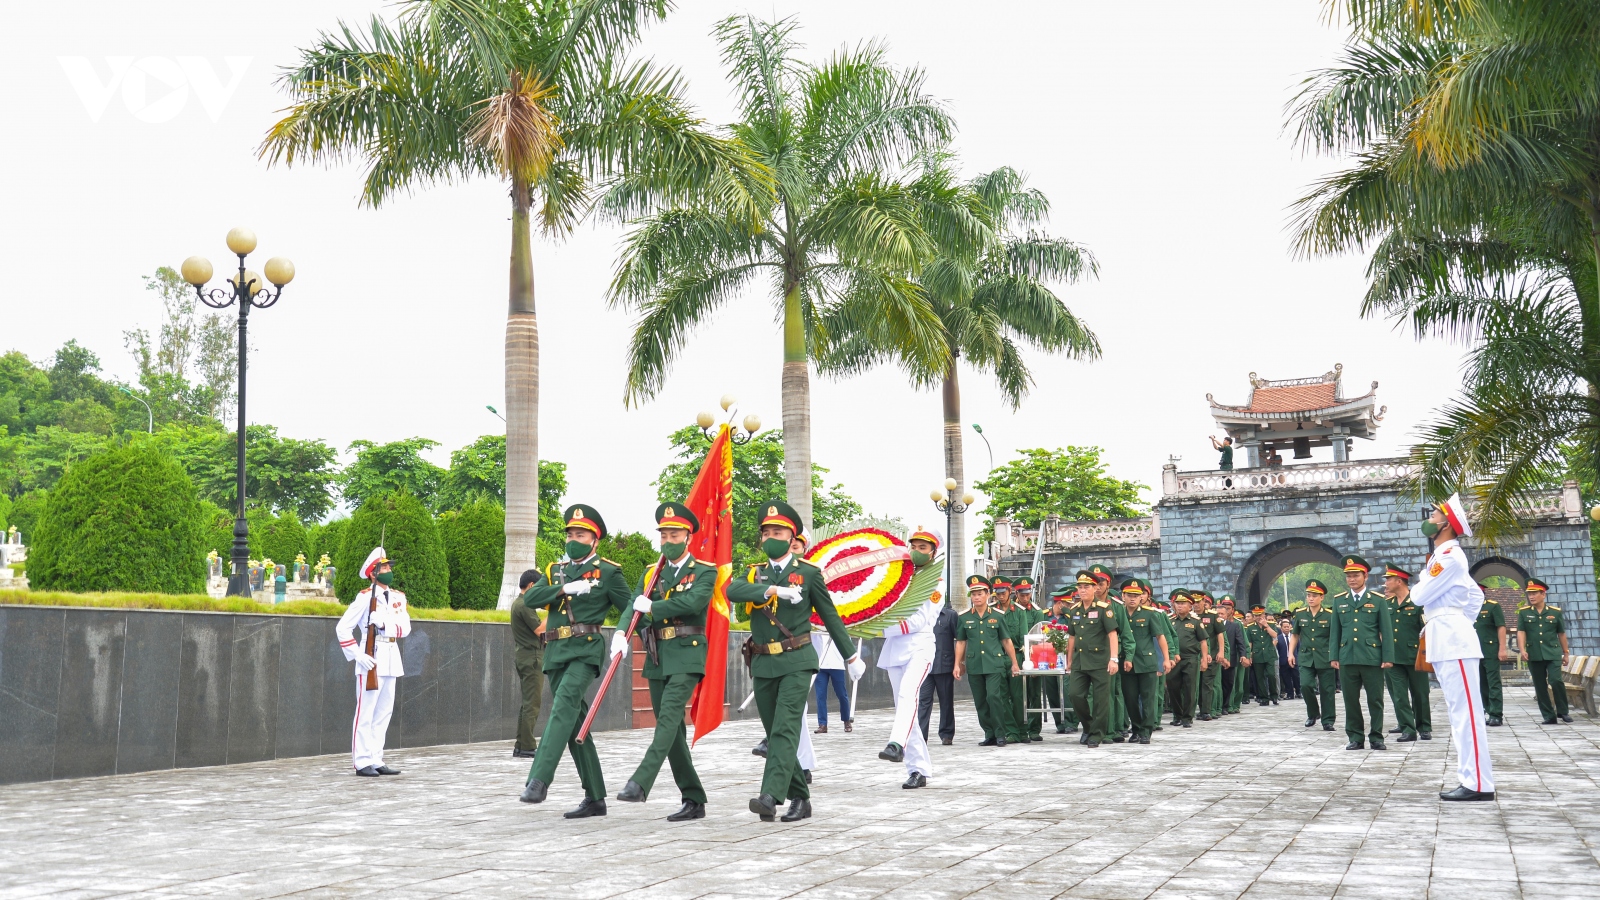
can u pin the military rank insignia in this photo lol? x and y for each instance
(796, 579)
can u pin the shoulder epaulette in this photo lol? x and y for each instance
(1549, 606)
(1491, 600)
(1341, 594)
(808, 563)
(703, 562)
(611, 561)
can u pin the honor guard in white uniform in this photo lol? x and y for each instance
(378, 620)
(1450, 600)
(907, 655)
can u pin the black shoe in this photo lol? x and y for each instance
(799, 808)
(367, 772)
(807, 774)
(1261, 703)
(1039, 738)
(1327, 728)
(1405, 738)
(631, 793)
(1206, 718)
(1548, 722)
(1310, 722)
(765, 807)
(589, 808)
(1120, 739)
(1093, 744)
(1567, 719)
(893, 753)
(760, 749)
(1425, 735)
(1187, 724)
(388, 770)
(690, 810)
(1496, 721)
(916, 780)
(1397, 731)
(1465, 793)
(1378, 744)
(519, 753)
(999, 742)
(1274, 703)
(987, 742)
(534, 791)
(1158, 728)
(1354, 745)
(1084, 739)
(946, 741)
(1145, 739)
(1061, 729)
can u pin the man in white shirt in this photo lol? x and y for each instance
(1450, 600)
(381, 610)
(907, 655)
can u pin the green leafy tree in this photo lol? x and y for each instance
(633, 552)
(124, 520)
(478, 472)
(381, 469)
(474, 548)
(838, 225)
(25, 513)
(277, 537)
(216, 529)
(325, 539)
(189, 368)
(758, 476)
(1070, 482)
(36, 461)
(281, 474)
(539, 94)
(410, 537)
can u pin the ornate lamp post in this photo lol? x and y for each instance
(752, 423)
(948, 503)
(248, 290)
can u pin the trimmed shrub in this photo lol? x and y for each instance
(633, 552)
(410, 536)
(275, 537)
(25, 512)
(123, 520)
(216, 530)
(324, 538)
(5, 511)
(475, 550)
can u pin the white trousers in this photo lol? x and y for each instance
(373, 709)
(906, 681)
(806, 755)
(1460, 685)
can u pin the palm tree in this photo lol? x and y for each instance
(538, 93)
(836, 224)
(990, 288)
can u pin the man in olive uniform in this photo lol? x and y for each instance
(1163, 616)
(1263, 657)
(1190, 658)
(1490, 626)
(1060, 600)
(1311, 652)
(1119, 723)
(1542, 644)
(1022, 599)
(1017, 623)
(1144, 654)
(527, 636)
(1362, 636)
(781, 597)
(984, 648)
(1092, 655)
(672, 620)
(578, 595)
(1408, 688)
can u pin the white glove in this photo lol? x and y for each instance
(619, 643)
(364, 662)
(641, 604)
(379, 618)
(791, 594)
(855, 667)
(577, 588)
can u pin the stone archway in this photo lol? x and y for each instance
(1271, 560)
(1499, 565)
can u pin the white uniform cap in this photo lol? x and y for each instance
(373, 558)
(930, 535)
(1456, 513)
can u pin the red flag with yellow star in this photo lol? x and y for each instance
(711, 501)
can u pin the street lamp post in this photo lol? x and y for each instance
(150, 416)
(247, 289)
(751, 423)
(979, 429)
(948, 503)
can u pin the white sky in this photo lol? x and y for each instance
(1156, 129)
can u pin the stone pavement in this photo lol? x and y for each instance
(1253, 806)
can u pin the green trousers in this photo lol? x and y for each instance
(1266, 680)
(530, 671)
(567, 710)
(1118, 722)
(1235, 696)
(1208, 687)
(668, 697)
(1548, 688)
(1489, 685)
(992, 699)
(1408, 691)
(1091, 698)
(1139, 696)
(782, 704)
(1316, 687)
(1017, 728)
(1184, 684)
(1353, 679)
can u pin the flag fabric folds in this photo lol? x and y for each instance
(711, 500)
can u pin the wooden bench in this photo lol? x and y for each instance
(1579, 676)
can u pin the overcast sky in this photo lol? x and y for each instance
(1156, 130)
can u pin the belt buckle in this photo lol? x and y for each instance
(563, 632)
(668, 633)
(774, 648)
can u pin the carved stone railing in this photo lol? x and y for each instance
(1011, 537)
(1565, 505)
(1372, 472)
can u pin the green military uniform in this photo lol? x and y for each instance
(1314, 657)
(1051, 687)
(529, 661)
(1408, 688)
(679, 596)
(1164, 619)
(1116, 722)
(981, 641)
(1018, 621)
(783, 661)
(1362, 636)
(1539, 636)
(1033, 725)
(1263, 660)
(1142, 647)
(1491, 618)
(574, 651)
(1211, 623)
(1184, 679)
(1091, 627)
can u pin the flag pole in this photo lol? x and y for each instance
(616, 658)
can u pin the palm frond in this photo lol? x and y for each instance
(669, 319)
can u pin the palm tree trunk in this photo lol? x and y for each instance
(957, 547)
(522, 406)
(796, 408)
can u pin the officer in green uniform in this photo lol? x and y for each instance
(1022, 598)
(1263, 655)
(1017, 622)
(1311, 652)
(1118, 723)
(781, 597)
(1408, 688)
(1190, 658)
(1143, 654)
(1092, 655)
(1362, 636)
(578, 595)
(1491, 628)
(1163, 618)
(1215, 637)
(529, 661)
(1060, 601)
(673, 625)
(1542, 643)
(984, 649)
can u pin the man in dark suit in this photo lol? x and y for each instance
(940, 679)
(1288, 676)
(1232, 676)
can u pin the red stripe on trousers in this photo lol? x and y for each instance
(925, 670)
(360, 691)
(1476, 771)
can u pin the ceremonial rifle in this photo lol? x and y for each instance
(616, 659)
(372, 639)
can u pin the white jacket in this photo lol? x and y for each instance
(914, 635)
(393, 623)
(1450, 602)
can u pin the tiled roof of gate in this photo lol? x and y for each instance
(1297, 398)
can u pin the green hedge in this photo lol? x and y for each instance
(409, 535)
(123, 520)
(325, 538)
(203, 603)
(276, 537)
(216, 530)
(25, 512)
(475, 550)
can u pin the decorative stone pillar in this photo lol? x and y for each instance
(1169, 478)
